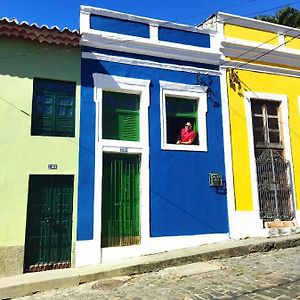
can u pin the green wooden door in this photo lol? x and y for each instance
(120, 200)
(49, 222)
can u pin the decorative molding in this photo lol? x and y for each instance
(242, 49)
(154, 33)
(259, 68)
(182, 87)
(145, 20)
(256, 24)
(286, 138)
(147, 63)
(130, 44)
(141, 87)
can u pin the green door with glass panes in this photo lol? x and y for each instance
(49, 222)
(120, 200)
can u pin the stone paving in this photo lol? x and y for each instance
(272, 275)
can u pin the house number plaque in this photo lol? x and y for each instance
(52, 167)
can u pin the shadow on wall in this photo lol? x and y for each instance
(31, 59)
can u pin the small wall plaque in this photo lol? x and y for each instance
(123, 149)
(215, 180)
(52, 167)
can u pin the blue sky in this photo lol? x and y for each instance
(65, 13)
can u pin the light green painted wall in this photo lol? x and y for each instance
(20, 153)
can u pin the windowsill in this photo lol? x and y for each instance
(52, 136)
(180, 147)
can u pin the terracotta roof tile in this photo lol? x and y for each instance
(11, 28)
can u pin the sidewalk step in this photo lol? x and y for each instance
(24, 284)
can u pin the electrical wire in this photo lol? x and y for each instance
(269, 51)
(256, 47)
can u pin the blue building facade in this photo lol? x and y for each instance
(141, 192)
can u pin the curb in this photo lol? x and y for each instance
(26, 284)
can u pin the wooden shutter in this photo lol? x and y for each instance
(53, 111)
(120, 200)
(120, 119)
(64, 119)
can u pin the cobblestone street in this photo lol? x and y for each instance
(272, 275)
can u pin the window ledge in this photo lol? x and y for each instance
(195, 148)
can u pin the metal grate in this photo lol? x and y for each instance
(274, 186)
(49, 223)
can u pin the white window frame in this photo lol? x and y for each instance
(189, 92)
(285, 134)
(103, 82)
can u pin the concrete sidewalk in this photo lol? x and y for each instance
(24, 284)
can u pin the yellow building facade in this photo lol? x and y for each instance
(260, 68)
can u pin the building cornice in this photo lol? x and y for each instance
(246, 50)
(259, 68)
(144, 20)
(143, 46)
(226, 18)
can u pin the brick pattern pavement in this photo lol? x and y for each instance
(272, 275)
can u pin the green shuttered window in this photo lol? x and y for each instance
(53, 109)
(179, 111)
(120, 200)
(120, 119)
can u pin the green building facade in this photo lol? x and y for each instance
(39, 128)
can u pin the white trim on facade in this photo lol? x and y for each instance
(151, 46)
(147, 63)
(161, 244)
(102, 82)
(194, 92)
(256, 24)
(154, 32)
(248, 50)
(286, 139)
(143, 46)
(233, 224)
(124, 16)
(260, 68)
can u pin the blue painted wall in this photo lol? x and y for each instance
(119, 26)
(181, 201)
(183, 37)
(139, 29)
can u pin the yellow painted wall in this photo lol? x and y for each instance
(292, 43)
(20, 153)
(250, 34)
(260, 83)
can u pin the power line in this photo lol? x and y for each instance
(254, 48)
(269, 51)
(165, 23)
(256, 13)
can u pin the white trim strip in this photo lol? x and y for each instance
(256, 24)
(260, 68)
(147, 63)
(133, 18)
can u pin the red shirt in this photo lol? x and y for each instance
(187, 135)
